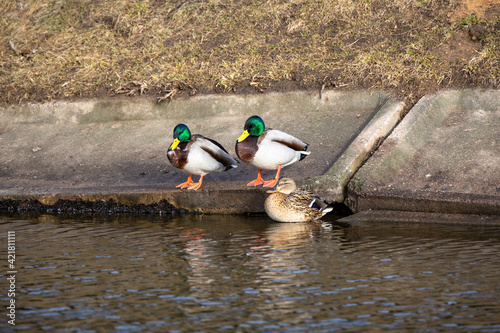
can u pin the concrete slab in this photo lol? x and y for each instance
(443, 157)
(332, 185)
(116, 149)
(391, 216)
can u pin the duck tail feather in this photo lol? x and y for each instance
(326, 210)
(303, 154)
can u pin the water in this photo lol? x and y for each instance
(249, 274)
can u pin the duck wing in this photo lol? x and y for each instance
(301, 198)
(309, 199)
(215, 150)
(285, 139)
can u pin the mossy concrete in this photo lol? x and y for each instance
(444, 157)
(116, 149)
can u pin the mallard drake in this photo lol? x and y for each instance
(289, 204)
(197, 155)
(268, 149)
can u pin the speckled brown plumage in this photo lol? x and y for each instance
(289, 204)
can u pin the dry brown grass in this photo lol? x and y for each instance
(64, 49)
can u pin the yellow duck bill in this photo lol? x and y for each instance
(243, 136)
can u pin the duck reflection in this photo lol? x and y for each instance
(254, 258)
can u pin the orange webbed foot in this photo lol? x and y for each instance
(195, 186)
(273, 182)
(188, 182)
(258, 181)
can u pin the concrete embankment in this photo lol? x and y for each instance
(443, 157)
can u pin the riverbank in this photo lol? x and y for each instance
(441, 158)
(90, 90)
(116, 149)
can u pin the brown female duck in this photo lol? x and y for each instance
(289, 204)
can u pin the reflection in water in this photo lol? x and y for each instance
(233, 273)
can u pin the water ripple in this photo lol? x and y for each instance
(220, 273)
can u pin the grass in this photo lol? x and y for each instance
(66, 49)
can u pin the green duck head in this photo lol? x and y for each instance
(254, 126)
(181, 134)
